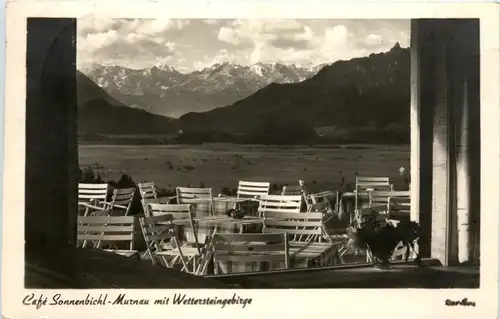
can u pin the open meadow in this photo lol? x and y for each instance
(218, 166)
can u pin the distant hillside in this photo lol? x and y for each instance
(363, 100)
(165, 91)
(98, 113)
(360, 100)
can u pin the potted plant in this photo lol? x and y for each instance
(379, 237)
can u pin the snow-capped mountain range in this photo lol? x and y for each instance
(164, 90)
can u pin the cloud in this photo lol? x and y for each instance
(291, 40)
(135, 42)
(221, 56)
(189, 44)
(110, 47)
(258, 32)
(373, 39)
(287, 39)
(230, 36)
(161, 25)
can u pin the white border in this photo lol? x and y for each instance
(283, 303)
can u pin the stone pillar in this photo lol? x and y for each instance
(422, 100)
(465, 87)
(415, 121)
(445, 72)
(441, 155)
(51, 140)
(463, 184)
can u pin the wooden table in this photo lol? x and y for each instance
(347, 203)
(221, 205)
(208, 225)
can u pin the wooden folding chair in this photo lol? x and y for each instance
(312, 198)
(148, 190)
(122, 200)
(197, 196)
(184, 214)
(252, 190)
(162, 244)
(368, 184)
(149, 194)
(237, 253)
(92, 199)
(248, 194)
(298, 225)
(399, 200)
(106, 232)
(280, 203)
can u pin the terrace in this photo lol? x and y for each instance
(444, 186)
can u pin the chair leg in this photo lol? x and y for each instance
(369, 257)
(339, 258)
(190, 261)
(205, 260)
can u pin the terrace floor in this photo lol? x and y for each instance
(93, 269)
(74, 268)
(429, 276)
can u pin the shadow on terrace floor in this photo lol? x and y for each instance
(94, 269)
(430, 276)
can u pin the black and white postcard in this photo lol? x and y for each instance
(229, 159)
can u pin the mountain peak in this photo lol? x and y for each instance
(164, 90)
(397, 46)
(164, 67)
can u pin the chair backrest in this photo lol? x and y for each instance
(373, 183)
(394, 205)
(122, 199)
(107, 229)
(280, 204)
(91, 192)
(269, 247)
(157, 231)
(400, 207)
(146, 201)
(383, 197)
(293, 223)
(190, 195)
(376, 198)
(252, 189)
(292, 190)
(178, 211)
(148, 190)
(157, 228)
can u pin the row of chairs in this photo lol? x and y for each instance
(391, 205)
(368, 184)
(305, 231)
(94, 197)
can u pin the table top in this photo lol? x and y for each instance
(322, 194)
(233, 199)
(221, 219)
(353, 194)
(230, 199)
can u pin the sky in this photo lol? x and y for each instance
(192, 44)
